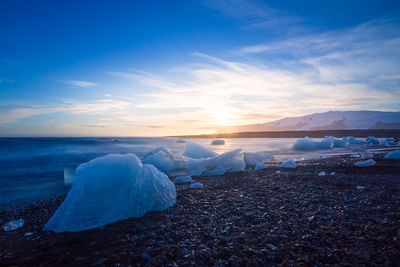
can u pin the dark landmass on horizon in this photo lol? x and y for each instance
(383, 133)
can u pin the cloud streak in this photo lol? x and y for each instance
(77, 83)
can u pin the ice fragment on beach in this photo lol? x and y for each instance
(28, 234)
(161, 158)
(111, 188)
(196, 151)
(326, 143)
(322, 173)
(359, 187)
(252, 159)
(183, 179)
(288, 164)
(372, 141)
(196, 185)
(278, 172)
(260, 166)
(228, 162)
(180, 141)
(304, 144)
(332, 173)
(366, 163)
(69, 176)
(353, 141)
(366, 155)
(13, 225)
(393, 155)
(217, 142)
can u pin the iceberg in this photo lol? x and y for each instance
(393, 155)
(260, 166)
(112, 188)
(13, 225)
(304, 144)
(252, 159)
(366, 163)
(196, 185)
(69, 176)
(353, 141)
(322, 173)
(217, 142)
(288, 164)
(228, 162)
(161, 158)
(196, 151)
(325, 143)
(372, 141)
(183, 179)
(309, 144)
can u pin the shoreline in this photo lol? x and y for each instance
(288, 218)
(383, 133)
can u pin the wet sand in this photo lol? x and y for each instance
(294, 217)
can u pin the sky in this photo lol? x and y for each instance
(158, 68)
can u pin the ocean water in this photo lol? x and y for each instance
(33, 168)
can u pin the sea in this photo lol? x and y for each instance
(33, 168)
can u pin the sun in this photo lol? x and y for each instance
(222, 117)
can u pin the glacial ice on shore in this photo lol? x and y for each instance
(260, 166)
(109, 189)
(218, 142)
(393, 155)
(196, 185)
(288, 164)
(366, 163)
(13, 225)
(69, 176)
(252, 159)
(161, 158)
(196, 151)
(309, 144)
(353, 141)
(183, 179)
(227, 162)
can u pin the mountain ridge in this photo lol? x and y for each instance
(330, 120)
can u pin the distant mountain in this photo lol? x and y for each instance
(331, 120)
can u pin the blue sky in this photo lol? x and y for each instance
(153, 68)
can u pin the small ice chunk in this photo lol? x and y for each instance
(227, 162)
(218, 142)
(260, 166)
(196, 151)
(332, 173)
(366, 163)
(13, 225)
(28, 234)
(183, 179)
(161, 158)
(372, 141)
(359, 187)
(304, 144)
(353, 141)
(252, 159)
(278, 172)
(358, 149)
(326, 143)
(181, 141)
(322, 173)
(112, 188)
(288, 164)
(69, 176)
(366, 155)
(196, 185)
(393, 155)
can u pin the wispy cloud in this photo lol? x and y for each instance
(356, 68)
(100, 107)
(79, 83)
